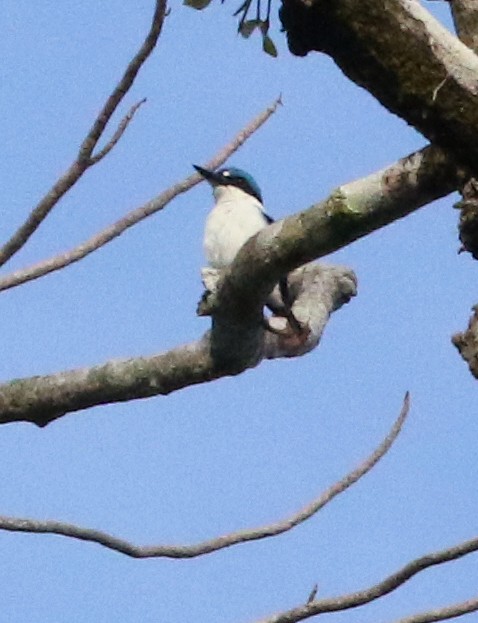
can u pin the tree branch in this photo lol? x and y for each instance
(403, 57)
(465, 18)
(42, 399)
(15, 524)
(124, 123)
(134, 216)
(315, 291)
(466, 343)
(443, 614)
(123, 86)
(389, 584)
(351, 212)
(84, 159)
(237, 340)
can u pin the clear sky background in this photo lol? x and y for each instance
(241, 451)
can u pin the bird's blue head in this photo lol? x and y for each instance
(232, 176)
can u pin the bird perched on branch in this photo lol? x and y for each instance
(237, 215)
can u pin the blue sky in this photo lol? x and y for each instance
(242, 451)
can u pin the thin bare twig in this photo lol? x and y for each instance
(124, 123)
(389, 584)
(84, 160)
(124, 84)
(14, 524)
(313, 593)
(134, 216)
(442, 614)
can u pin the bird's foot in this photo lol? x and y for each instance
(295, 325)
(293, 333)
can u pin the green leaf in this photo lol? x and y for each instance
(247, 28)
(268, 46)
(197, 4)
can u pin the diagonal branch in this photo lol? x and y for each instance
(237, 340)
(123, 86)
(389, 584)
(120, 130)
(465, 19)
(442, 614)
(14, 524)
(403, 56)
(84, 158)
(349, 213)
(134, 216)
(42, 399)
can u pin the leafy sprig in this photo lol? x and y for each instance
(247, 26)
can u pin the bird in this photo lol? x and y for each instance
(238, 214)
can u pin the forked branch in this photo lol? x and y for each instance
(389, 584)
(84, 158)
(15, 524)
(351, 211)
(120, 130)
(134, 216)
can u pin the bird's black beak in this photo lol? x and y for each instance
(211, 176)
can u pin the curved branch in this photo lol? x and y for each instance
(84, 160)
(391, 583)
(349, 213)
(315, 291)
(206, 547)
(42, 399)
(442, 614)
(403, 56)
(134, 216)
(237, 340)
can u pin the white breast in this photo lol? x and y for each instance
(233, 220)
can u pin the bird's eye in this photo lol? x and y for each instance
(226, 174)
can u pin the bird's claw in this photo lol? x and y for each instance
(292, 332)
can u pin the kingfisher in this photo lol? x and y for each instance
(237, 215)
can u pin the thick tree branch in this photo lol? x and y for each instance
(389, 584)
(14, 524)
(352, 211)
(237, 340)
(315, 291)
(465, 18)
(403, 57)
(84, 158)
(134, 216)
(42, 399)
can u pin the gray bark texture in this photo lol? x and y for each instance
(404, 57)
